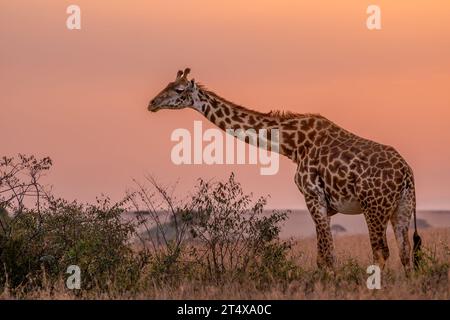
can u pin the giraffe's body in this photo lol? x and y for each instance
(337, 171)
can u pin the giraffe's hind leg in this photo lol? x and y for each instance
(377, 224)
(400, 224)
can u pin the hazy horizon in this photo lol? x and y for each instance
(299, 223)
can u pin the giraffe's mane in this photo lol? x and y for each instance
(279, 114)
(286, 115)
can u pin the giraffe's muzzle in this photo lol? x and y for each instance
(152, 107)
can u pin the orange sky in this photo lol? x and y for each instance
(81, 96)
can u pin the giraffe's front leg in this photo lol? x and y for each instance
(318, 208)
(325, 248)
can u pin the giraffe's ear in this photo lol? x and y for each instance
(179, 74)
(186, 72)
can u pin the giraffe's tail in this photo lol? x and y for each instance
(417, 240)
(417, 244)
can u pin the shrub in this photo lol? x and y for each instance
(235, 237)
(160, 215)
(39, 243)
(217, 234)
(94, 237)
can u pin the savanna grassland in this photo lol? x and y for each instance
(217, 244)
(349, 281)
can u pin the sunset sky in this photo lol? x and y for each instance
(81, 96)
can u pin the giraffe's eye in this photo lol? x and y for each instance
(179, 91)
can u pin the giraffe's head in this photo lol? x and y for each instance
(177, 95)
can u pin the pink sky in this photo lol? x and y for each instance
(80, 97)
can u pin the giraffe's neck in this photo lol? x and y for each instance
(227, 115)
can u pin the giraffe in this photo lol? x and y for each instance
(337, 171)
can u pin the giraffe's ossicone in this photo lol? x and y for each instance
(337, 171)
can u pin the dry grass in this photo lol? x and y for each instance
(357, 247)
(349, 281)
